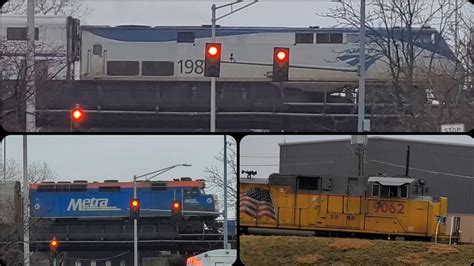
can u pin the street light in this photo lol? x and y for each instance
(135, 222)
(213, 79)
(362, 71)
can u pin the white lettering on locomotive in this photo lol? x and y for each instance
(92, 204)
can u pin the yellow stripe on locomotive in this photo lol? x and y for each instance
(390, 206)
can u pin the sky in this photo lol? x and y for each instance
(302, 13)
(262, 153)
(97, 158)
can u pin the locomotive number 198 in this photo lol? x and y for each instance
(389, 207)
(191, 67)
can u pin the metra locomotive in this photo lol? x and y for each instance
(382, 206)
(64, 201)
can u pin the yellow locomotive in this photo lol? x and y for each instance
(393, 207)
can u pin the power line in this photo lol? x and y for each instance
(422, 170)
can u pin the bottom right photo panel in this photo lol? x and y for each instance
(356, 199)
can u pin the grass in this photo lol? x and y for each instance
(293, 250)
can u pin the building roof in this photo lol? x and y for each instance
(381, 138)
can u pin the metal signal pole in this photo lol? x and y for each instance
(225, 193)
(26, 226)
(30, 93)
(361, 105)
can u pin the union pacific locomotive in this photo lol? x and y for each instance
(64, 202)
(380, 206)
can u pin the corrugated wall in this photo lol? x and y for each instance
(447, 169)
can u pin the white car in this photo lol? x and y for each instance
(218, 257)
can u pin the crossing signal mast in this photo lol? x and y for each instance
(281, 64)
(77, 117)
(212, 64)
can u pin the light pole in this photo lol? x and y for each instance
(30, 67)
(26, 212)
(362, 71)
(225, 193)
(214, 8)
(135, 222)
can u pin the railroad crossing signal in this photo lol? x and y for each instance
(53, 247)
(281, 63)
(212, 63)
(135, 209)
(77, 117)
(176, 209)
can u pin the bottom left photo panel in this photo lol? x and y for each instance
(106, 200)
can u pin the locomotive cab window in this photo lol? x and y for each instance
(19, 34)
(304, 38)
(309, 183)
(329, 38)
(186, 37)
(404, 191)
(389, 191)
(375, 190)
(123, 68)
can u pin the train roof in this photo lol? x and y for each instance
(95, 185)
(391, 181)
(14, 20)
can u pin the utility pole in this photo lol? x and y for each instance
(225, 193)
(456, 28)
(26, 213)
(5, 159)
(361, 105)
(214, 19)
(30, 88)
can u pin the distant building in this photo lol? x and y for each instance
(447, 168)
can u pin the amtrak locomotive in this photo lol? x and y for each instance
(110, 200)
(319, 57)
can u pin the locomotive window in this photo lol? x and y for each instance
(385, 191)
(62, 188)
(375, 189)
(311, 183)
(97, 49)
(187, 193)
(157, 68)
(304, 38)
(109, 189)
(123, 68)
(336, 38)
(186, 37)
(195, 192)
(404, 191)
(19, 34)
(322, 38)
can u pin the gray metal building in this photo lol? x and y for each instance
(447, 168)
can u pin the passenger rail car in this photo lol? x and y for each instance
(317, 55)
(57, 46)
(111, 200)
(381, 206)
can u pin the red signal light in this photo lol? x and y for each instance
(53, 243)
(77, 114)
(213, 50)
(176, 205)
(281, 55)
(135, 203)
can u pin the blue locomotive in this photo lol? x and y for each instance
(111, 200)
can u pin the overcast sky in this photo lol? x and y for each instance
(159, 13)
(262, 153)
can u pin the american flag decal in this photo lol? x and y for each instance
(257, 203)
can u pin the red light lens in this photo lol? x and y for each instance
(54, 243)
(176, 205)
(135, 203)
(281, 55)
(77, 114)
(213, 51)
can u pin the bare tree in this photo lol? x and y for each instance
(215, 177)
(37, 171)
(396, 31)
(74, 8)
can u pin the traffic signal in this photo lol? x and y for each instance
(281, 63)
(212, 64)
(53, 247)
(77, 116)
(135, 209)
(176, 209)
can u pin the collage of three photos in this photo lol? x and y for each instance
(236, 133)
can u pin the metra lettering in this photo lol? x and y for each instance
(91, 204)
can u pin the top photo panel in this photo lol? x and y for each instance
(237, 66)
